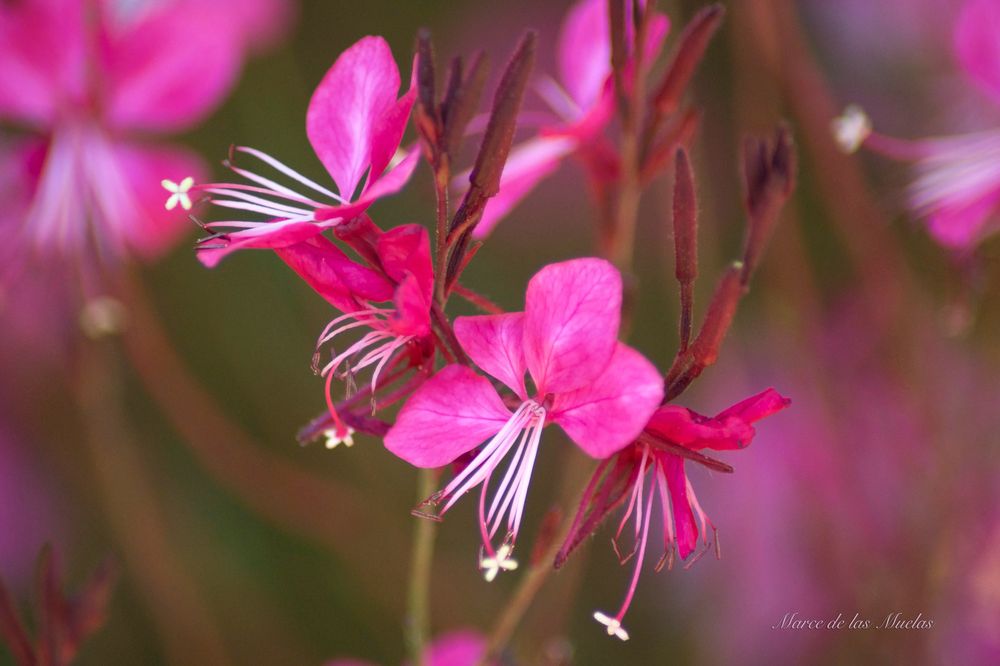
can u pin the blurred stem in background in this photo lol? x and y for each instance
(318, 508)
(185, 625)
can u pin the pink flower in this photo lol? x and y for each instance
(600, 391)
(462, 647)
(84, 76)
(956, 187)
(355, 124)
(582, 102)
(403, 275)
(656, 461)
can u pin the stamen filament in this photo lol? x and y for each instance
(288, 171)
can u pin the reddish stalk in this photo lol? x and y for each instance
(183, 621)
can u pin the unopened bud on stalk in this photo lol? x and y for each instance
(425, 72)
(461, 99)
(690, 51)
(499, 135)
(484, 179)
(427, 120)
(685, 221)
(769, 173)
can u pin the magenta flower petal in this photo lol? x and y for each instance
(388, 134)
(155, 230)
(405, 254)
(684, 523)
(456, 648)
(529, 164)
(347, 108)
(168, 68)
(729, 430)
(333, 275)
(406, 250)
(961, 224)
(610, 412)
(757, 407)
(393, 180)
(450, 414)
(272, 236)
(585, 51)
(682, 426)
(977, 46)
(572, 314)
(42, 59)
(495, 344)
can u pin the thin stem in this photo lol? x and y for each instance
(477, 299)
(418, 615)
(440, 320)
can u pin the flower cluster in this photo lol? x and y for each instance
(479, 391)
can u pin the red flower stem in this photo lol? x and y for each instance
(441, 178)
(477, 299)
(444, 328)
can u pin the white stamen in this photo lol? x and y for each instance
(614, 626)
(851, 128)
(291, 173)
(502, 561)
(178, 193)
(333, 441)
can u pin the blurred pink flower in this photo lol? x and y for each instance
(652, 455)
(355, 124)
(600, 391)
(406, 278)
(83, 77)
(956, 187)
(462, 647)
(582, 101)
(28, 512)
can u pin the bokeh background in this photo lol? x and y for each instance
(875, 493)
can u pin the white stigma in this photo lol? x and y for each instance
(178, 193)
(333, 440)
(613, 625)
(502, 561)
(851, 128)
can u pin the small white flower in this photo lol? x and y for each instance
(614, 626)
(851, 128)
(333, 441)
(491, 566)
(178, 193)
